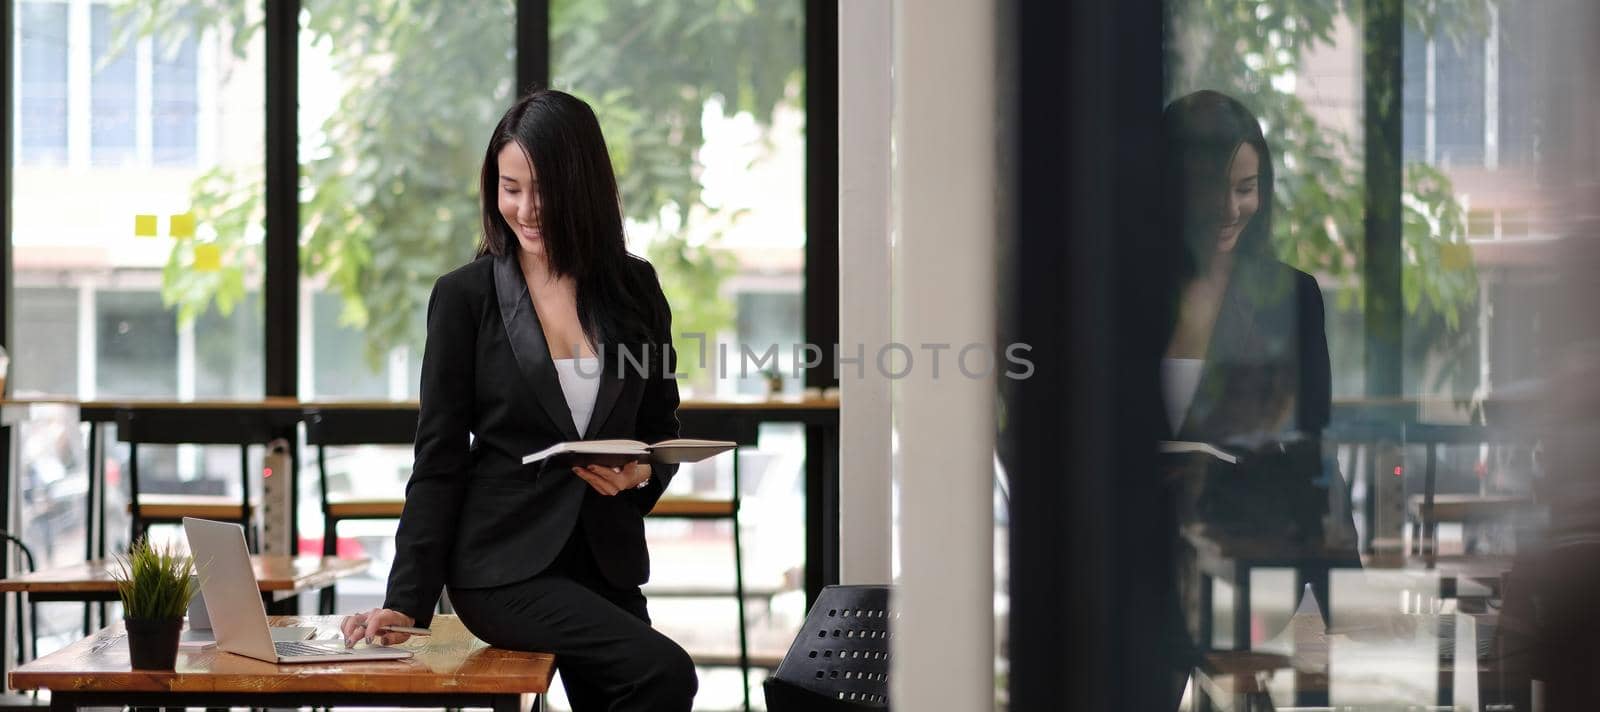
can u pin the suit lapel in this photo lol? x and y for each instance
(1239, 346)
(528, 345)
(1233, 326)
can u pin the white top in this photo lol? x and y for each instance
(580, 383)
(1180, 377)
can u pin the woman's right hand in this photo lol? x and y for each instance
(372, 627)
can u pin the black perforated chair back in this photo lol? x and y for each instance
(840, 658)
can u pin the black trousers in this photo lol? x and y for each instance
(609, 657)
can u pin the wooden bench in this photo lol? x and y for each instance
(174, 507)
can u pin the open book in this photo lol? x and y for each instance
(1180, 446)
(615, 453)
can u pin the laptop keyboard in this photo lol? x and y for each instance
(296, 649)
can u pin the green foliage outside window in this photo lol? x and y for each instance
(389, 199)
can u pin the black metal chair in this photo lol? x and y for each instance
(744, 432)
(354, 426)
(27, 635)
(181, 426)
(840, 658)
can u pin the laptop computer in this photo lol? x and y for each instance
(233, 600)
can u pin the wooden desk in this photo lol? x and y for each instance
(1231, 559)
(1243, 680)
(452, 668)
(279, 577)
(699, 417)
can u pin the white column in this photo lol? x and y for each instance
(1491, 91)
(865, 103)
(1430, 92)
(188, 455)
(186, 360)
(144, 101)
(15, 148)
(87, 345)
(307, 353)
(80, 72)
(399, 372)
(943, 252)
(209, 77)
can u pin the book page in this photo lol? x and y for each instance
(691, 442)
(1180, 446)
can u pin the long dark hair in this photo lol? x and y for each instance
(1203, 131)
(580, 214)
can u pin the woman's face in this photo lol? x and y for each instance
(519, 198)
(1244, 197)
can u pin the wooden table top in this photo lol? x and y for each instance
(1460, 507)
(451, 660)
(273, 573)
(1267, 551)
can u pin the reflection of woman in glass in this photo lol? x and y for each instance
(1248, 360)
(1246, 367)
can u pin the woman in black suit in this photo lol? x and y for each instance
(526, 348)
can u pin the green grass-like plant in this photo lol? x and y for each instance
(154, 582)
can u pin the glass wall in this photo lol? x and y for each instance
(1354, 538)
(391, 140)
(709, 147)
(118, 131)
(138, 240)
(129, 281)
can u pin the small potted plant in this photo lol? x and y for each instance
(155, 584)
(774, 382)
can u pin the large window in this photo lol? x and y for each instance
(42, 91)
(1462, 229)
(709, 147)
(128, 283)
(139, 217)
(112, 234)
(395, 112)
(113, 93)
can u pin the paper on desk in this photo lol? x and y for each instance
(1305, 638)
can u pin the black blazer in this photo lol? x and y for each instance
(475, 516)
(1266, 370)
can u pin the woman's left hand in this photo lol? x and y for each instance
(610, 481)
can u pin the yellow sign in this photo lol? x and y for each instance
(183, 226)
(207, 258)
(144, 225)
(1455, 255)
